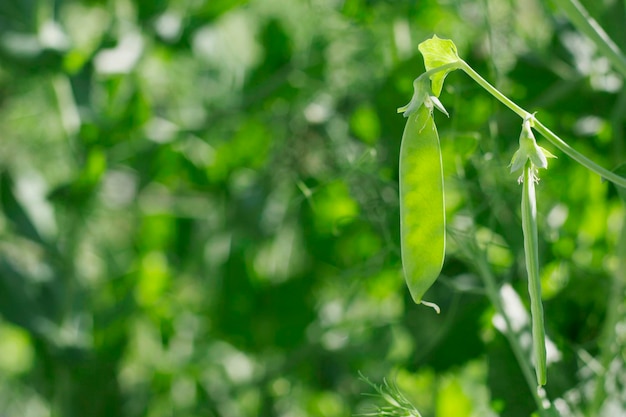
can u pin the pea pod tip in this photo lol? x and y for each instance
(431, 305)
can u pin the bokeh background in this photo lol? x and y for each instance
(199, 210)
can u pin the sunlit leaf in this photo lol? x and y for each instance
(438, 52)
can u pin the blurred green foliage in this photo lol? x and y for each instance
(200, 211)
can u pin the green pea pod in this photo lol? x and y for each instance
(422, 215)
(531, 245)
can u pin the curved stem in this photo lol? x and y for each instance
(493, 90)
(543, 130)
(445, 67)
(577, 156)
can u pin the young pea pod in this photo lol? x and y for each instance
(422, 215)
(531, 157)
(529, 226)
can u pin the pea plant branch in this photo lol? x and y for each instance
(422, 209)
(539, 127)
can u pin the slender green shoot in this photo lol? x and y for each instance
(615, 315)
(493, 90)
(580, 18)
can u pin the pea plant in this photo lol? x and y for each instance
(422, 209)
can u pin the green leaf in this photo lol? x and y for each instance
(14, 210)
(438, 52)
(420, 95)
(17, 303)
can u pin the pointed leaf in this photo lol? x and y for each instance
(438, 52)
(14, 210)
(420, 95)
(438, 105)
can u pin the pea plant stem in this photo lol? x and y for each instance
(577, 156)
(493, 90)
(446, 67)
(531, 252)
(543, 130)
(614, 316)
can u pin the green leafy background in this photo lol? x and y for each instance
(199, 207)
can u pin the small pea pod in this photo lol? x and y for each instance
(529, 226)
(531, 157)
(422, 215)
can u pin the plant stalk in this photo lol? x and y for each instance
(615, 313)
(543, 130)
